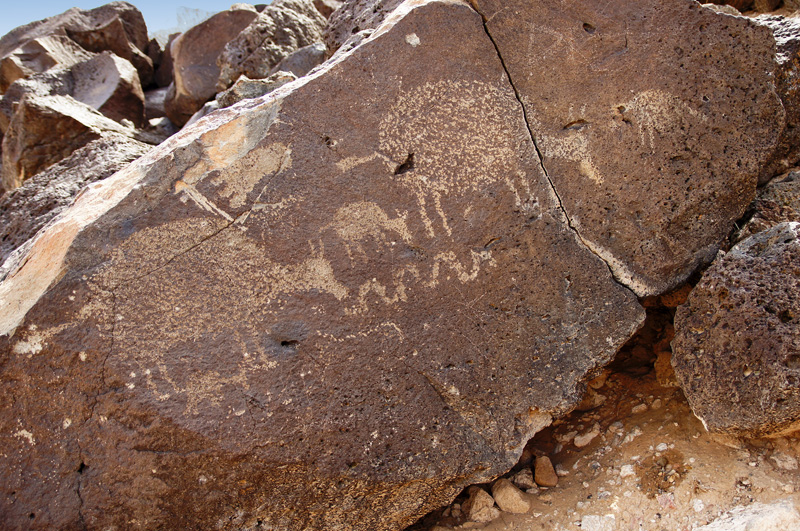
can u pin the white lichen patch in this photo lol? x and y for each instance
(28, 436)
(30, 346)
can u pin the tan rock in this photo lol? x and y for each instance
(509, 498)
(194, 61)
(544, 473)
(479, 506)
(38, 55)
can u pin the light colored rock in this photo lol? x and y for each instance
(509, 498)
(104, 82)
(544, 473)
(739, 331)
(626, 471)
(194, 61)
(585, 438)
(327, 7)
(38, 55)
(592, 522)
(784, 461)
(246, 88)
(479, 506)
(282, 28)
(302, 61)
(778, 516)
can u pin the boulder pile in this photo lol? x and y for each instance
(346, 291)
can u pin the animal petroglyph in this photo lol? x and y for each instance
(357, 222)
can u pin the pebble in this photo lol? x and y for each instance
(698, 505)
(509, 498)
(545, 475)
(583, 440)
(523, 479)
(592, 522)
(641, 408)
(656, 404)
(626, 471)
(662, 447)
(561, 471)
(479, 507)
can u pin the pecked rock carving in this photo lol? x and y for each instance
(333, 307)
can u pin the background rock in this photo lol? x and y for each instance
(105, 82)
(276, 303)
(300, 62)
(776, 202)
(245, 88)
(326, 7)
(31, 206)
(44, 130)
(279, 30)
(194, 61)
(356, 16)
(736, 351)
(613, 111)
(38, 55)
(118, 27)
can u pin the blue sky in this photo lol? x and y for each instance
(159, 14)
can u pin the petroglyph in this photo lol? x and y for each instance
(453, 154)
(357, 222)
(655, 112)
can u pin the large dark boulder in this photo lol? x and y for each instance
(280, 316)
(736, 351)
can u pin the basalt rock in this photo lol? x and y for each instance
(117, 27)
(775, 203)
(302, 61)
(356, 16)
(44, 130)
(736, 351)
(105, 82)
(31, 206)
(279, 30)
(194, 61)
(642, 135)
(280, 316)
(39, 55)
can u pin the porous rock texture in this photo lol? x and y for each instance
(31, 206)
(45, 129)
(736, 351)
(336, 306)
(194, 60)
(776, 202)
(787, 40)
(355, 16)
(294, 320)
(118, 27)
(105, 82)
(640, 123)
(279, 30)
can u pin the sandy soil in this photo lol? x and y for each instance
(652, 466)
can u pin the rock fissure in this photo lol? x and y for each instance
(539, 153)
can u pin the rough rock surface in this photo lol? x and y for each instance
(246, 88)
(327, 7)
(44, 130)
(31, 206)
(300, 62)
(779, 516)
(479, 506)
(279, 30)
(194, 61)
(106, 82)
(118, 27)
(38, 55)
(356, 16)
(776, 202)
(787, 39)
(280, 316)
(736, 351)
(642, 135)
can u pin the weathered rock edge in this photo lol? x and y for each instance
(276, 317)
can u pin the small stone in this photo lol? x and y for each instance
(561, 471)
(592, 522)
(788, 489)
(662, 447)
(479, 507)
(641, 408)
(523, 479)
(533, 490)
(784, 461)
(698, 505)
(626, 471)
(545, 475)
(582, 440)
(657, 404)
(509, 498)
